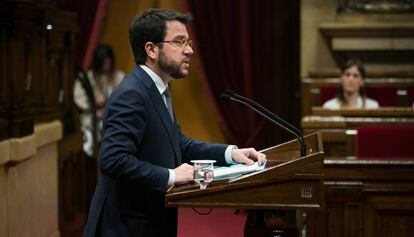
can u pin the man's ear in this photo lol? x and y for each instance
(152, 51)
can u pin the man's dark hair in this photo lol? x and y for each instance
(150, 26)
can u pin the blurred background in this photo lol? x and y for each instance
(283, 54)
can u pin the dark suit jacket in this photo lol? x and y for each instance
(140, 142)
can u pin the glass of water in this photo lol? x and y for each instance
(203, 172)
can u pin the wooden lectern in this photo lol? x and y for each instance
(288, 182)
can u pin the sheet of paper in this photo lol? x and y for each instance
(236, 170)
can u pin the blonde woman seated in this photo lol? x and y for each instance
(352, 91)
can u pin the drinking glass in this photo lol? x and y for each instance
(203, 172)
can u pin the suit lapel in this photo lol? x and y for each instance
(177, 139)
(162, 111)
(165, 118)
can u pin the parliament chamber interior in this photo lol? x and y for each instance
(355, 178)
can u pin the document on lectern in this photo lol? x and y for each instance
(236, 170)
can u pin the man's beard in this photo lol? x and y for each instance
(171, 68)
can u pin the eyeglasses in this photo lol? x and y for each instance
(179, 43)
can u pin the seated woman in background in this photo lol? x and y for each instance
(352, 91)
(103, 78)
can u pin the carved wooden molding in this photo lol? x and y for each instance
(15, 150)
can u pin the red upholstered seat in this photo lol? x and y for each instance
(327, 93)
(386, 96)
(385, 141)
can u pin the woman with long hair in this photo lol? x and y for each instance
(352, 90)
(101, 79)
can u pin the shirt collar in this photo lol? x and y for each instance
(159, 83)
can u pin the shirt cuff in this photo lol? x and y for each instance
(171, 178)
(227, 154)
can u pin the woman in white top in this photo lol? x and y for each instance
(103, 78)
(352, 91)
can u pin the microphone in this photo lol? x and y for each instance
(284, 122)
(230, 95)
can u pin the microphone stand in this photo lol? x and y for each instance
(229, 95)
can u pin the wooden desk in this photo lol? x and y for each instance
(288, 183)
(296, 180)
(380, 112)
(339, 131)
(366, 198)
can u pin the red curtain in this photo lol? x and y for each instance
(250, 47)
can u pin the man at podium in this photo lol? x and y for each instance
(143, 151)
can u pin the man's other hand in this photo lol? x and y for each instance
(247, 156)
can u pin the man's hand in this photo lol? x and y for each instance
(247, 156)
(183, 174)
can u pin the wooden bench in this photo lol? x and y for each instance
(365, 198)
(339, 130)
(380, 112)
(388, 91)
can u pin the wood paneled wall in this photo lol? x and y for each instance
(36, 81)
(36, 64)
(366, 198)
